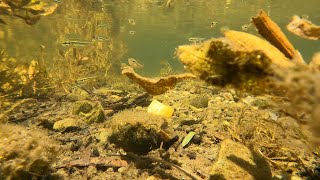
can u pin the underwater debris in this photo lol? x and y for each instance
(160, 109)
(272, 32)
(155, 86)
(304, 28)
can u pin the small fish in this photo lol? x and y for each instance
(102, 25)
(99, 38)
(168, 3)
(195, 39)
(75, 43)
(132, 32)
(134, 63)
(131, 22)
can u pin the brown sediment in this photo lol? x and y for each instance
(272, 32)
(155, 86)
(304, 28)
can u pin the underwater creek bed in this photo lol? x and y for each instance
(247, 107)
(213, 133)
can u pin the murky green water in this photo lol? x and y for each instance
(160, 30)
(157, 31)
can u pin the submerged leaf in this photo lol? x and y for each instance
(188, 138)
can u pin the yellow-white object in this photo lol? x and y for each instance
(158, 108)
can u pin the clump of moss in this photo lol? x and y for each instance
(25, 153)
(137, 131)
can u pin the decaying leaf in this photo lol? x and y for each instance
(304, 28)
(155, 86)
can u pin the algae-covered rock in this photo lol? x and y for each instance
(138, 131)
(236, 161)
(199, 101)
(82, 106)
(91, 112)
(25, 153)
(68, 124)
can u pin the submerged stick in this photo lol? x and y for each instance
(272, 32)
(155, 86)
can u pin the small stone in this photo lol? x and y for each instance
(82, 107)
(68, 123)
(236, 161)
(122, 170)
(199, 101)
(273, 116)
(227, 96)
(103, 136)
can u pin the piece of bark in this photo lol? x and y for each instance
(156, 86)
(304, 28)
(272, 32)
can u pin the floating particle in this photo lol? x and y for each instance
(245, 27)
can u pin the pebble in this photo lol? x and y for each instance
(68, 123)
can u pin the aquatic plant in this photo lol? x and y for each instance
(28, 10)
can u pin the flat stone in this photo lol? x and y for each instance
(237, 162)
(67, 123)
